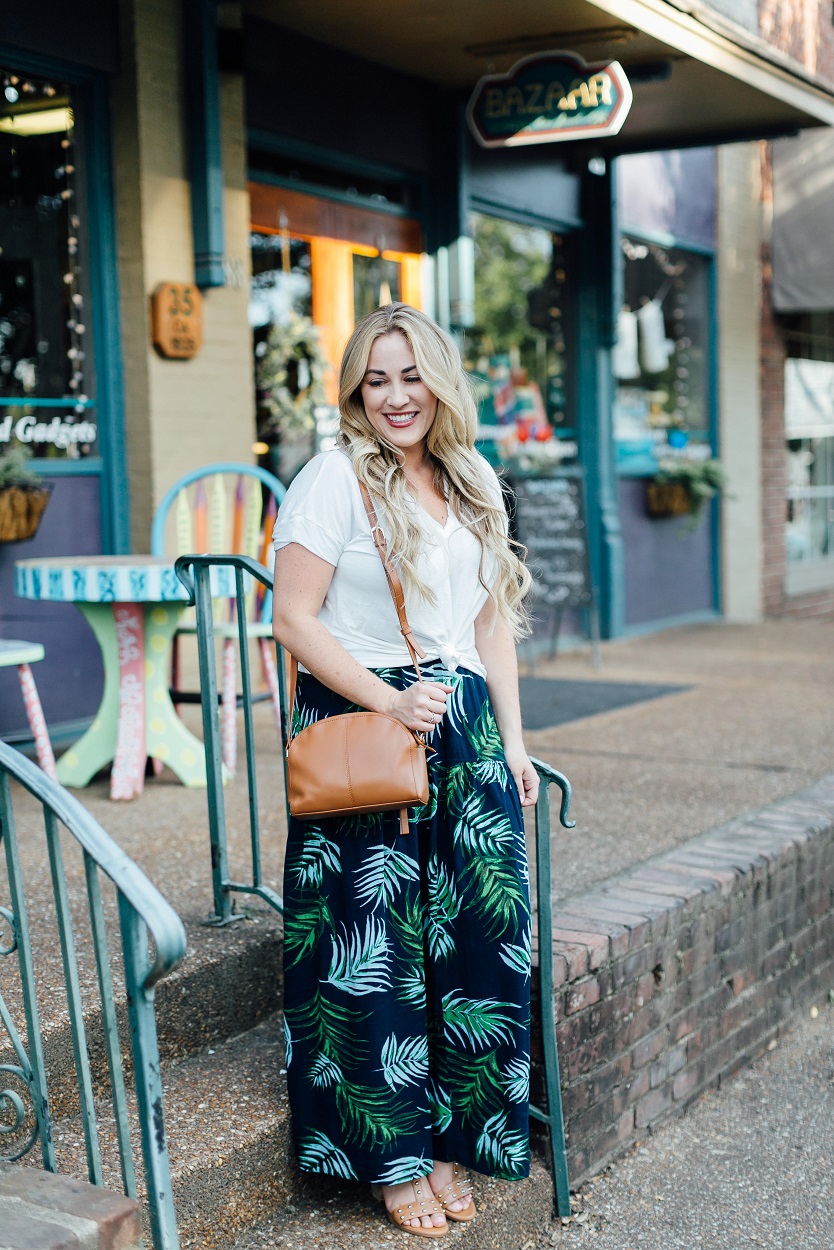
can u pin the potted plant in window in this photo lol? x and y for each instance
(682, 487)
(23, 497)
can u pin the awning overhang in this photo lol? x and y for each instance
(697, 78)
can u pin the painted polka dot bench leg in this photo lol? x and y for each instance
(22, 655)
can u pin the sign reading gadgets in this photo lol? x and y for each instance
(549, 97)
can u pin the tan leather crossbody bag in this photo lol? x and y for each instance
(360, 761)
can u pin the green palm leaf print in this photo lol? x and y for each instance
(316, 1153)
(515, 1079)
(359, 962)
(323, 1072)
(330, 1028)
(495, 893)
(405, 1062)
(407, 923)
(443, 907)
(479, 830)
(505, 1150)
(384, 871)
(474, 1083)
(317, 854)
(441, 1107)
(302, 717)
(518, 955)
(304, 926)
(475, 1022)
(491, 771)
(483, 735)
(410, 987)
(406, 1168)
(373, 1116)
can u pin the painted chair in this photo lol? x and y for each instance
(22, 655)
(222, 509)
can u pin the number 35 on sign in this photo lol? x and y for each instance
(177, 319)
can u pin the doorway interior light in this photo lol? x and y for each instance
(37, 122)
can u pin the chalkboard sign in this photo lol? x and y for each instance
(550, 519)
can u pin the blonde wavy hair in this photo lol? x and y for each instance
(459, 471)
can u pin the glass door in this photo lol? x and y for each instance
(520, 350)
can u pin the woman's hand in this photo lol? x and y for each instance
(420, 706)
(524, 775)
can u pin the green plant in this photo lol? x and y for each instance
(15, 470)
(290, 371)
(701, 479)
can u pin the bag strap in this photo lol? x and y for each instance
(397, 594)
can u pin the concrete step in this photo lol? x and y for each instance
(229, 982)
(233, 1169)
(326, 1214)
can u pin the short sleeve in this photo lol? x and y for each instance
(318, 510)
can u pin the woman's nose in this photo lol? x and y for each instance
(398, 395)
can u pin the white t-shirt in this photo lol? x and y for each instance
(323, 511)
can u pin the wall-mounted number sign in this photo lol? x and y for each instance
(548, 98)
(177, 319)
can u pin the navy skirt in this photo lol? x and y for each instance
(407, 965)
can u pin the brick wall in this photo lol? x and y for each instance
(680, 971)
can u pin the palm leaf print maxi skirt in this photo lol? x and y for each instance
(407, 965)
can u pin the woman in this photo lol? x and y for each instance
(407, 957)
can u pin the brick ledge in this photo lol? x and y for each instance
(674, 974)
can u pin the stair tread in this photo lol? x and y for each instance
(328, 1214)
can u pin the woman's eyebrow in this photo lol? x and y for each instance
(383, 374)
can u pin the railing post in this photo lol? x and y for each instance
(211, 737)
(554, 1117)
(146, 1067)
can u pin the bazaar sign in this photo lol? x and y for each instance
(549, 97)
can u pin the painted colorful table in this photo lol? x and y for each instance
(132, 604)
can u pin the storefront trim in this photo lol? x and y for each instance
(669, 622)
(522, 217)
(110, 465)
(314, 154)
(743, 58)
(330, 193)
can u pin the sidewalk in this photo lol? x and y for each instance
(745, 1169)
(754, 723)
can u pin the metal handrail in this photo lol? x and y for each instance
(143, 914)
(194, 573)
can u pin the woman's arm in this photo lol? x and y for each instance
(496, 648)
(301, 583)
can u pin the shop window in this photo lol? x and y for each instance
(46, 365)
(809, 433)
(519, 348)
(289, 363)
(317, 268)
(661, 358)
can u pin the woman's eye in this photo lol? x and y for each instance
(412, 379)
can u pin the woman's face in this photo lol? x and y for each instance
(397, 403)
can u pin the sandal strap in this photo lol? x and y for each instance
(454, 1191)
(415, 1210)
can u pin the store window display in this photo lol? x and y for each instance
(661, 358)
(809, 449)
(518, 351)
(47, 400)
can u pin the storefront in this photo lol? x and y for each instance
(664, 368)
(60, 363)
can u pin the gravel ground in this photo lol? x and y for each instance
(747, 1167)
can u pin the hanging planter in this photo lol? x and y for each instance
(23, 498)
(665, 499)
(684, 487)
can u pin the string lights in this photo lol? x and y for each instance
(43, 112)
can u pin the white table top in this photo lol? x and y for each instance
(110, 579)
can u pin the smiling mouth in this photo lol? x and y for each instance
(400, 418)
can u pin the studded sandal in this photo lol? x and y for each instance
(414, 1211)
(459, 1187)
